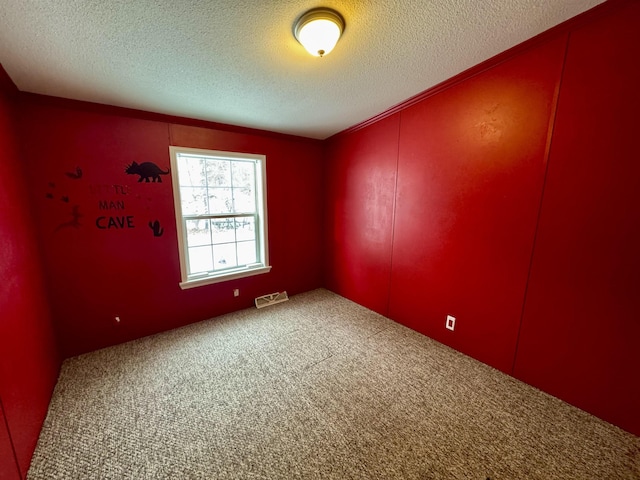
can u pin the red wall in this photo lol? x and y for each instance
(361, 178)
(456, 233)
(580, 337)
(470, 173)
(96, 273)
(28, 359)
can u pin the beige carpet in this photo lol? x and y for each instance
(314, 388)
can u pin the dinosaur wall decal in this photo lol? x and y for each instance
(157, 229)
(146, 171)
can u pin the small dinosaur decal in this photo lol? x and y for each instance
(75, 222)
(157, 229)
(75, 175)
(49, 195)
(146, 170)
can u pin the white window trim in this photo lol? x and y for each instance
(261, 191)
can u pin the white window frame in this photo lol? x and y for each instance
(262, 265)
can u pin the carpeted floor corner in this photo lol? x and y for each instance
(314, 388)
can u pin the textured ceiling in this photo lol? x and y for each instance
(237, 62)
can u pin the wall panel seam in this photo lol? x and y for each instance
(393, 216)
(547, 152)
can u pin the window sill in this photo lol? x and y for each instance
(223, 277)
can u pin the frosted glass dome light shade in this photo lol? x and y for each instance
(319, 30)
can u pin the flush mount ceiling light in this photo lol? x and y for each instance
(319, 30)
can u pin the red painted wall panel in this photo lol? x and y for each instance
(581, 325)
(470, 175)
(361, 181)
(97, 273)
(28, 359)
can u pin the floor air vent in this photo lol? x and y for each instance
(271, 299)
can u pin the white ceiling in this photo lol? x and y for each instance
(237, 62)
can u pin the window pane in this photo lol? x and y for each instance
(219, 173)
(246, 253)
(194, 200)
(224, 256)
(223, 230)
(191, 171)
(243, 174)
(220, 200)
(198, 232)
(200, 259)
(245, 229)
(244, 200)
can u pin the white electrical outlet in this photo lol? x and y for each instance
(451, 323)
(236, 292)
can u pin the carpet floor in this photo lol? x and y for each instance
(314, 388)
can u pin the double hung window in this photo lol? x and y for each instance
(220, 202)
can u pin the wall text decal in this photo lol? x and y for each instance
(116, 192)
(107, 223)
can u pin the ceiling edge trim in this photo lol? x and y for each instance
(60, 102)
(561, 29)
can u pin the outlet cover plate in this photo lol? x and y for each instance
(451, 323)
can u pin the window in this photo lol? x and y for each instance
(220, 200)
